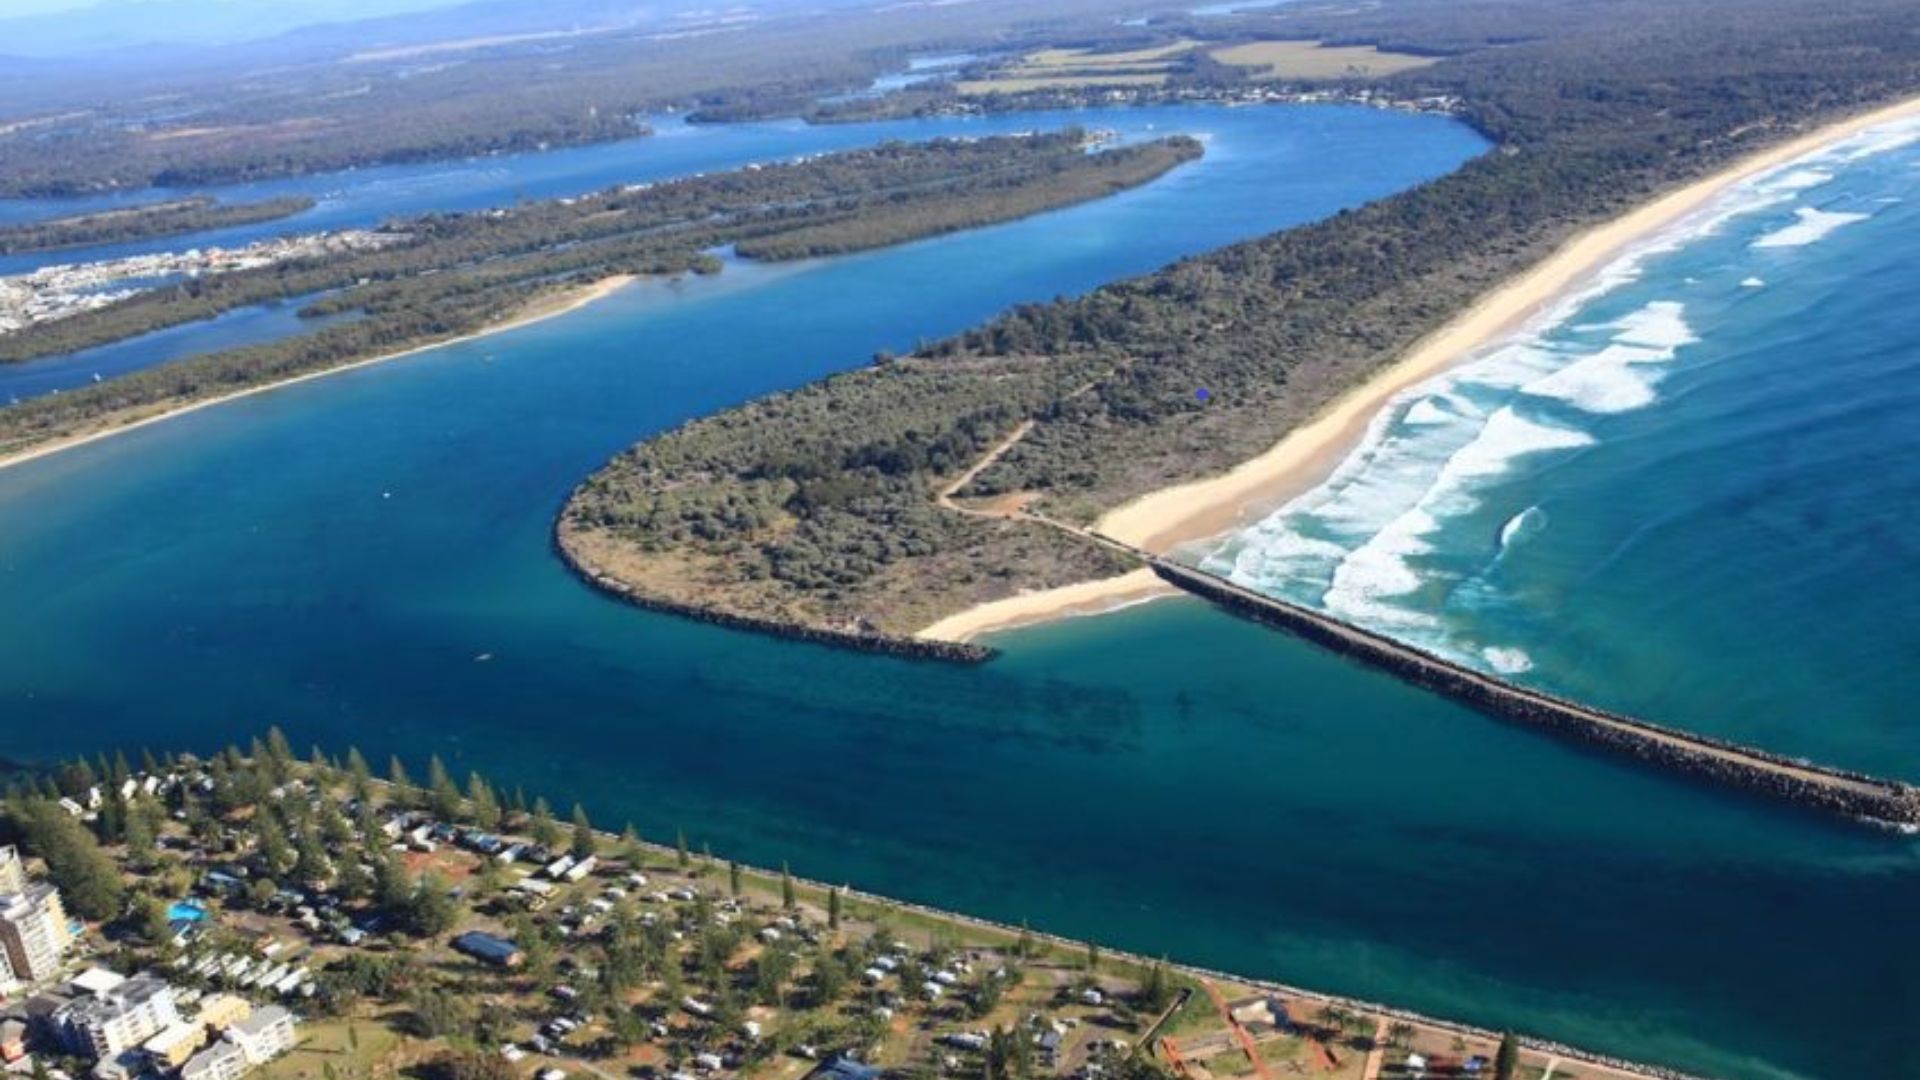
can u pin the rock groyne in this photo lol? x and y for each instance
(1855, 795)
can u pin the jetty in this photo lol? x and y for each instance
(1858, 796)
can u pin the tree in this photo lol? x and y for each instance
(87, 878)
(150, 922)
(787, 898)
(733, 877)
(444, 795)
(1157, 991)
(543, 828)
(631, 849)
(359, 777)
(1093, 957)
(833, 908)
(1400, 1034)
(1506, 1061)
(402, 782)
(680, 850)
(584, 842)
(481, 803)
(431, 911)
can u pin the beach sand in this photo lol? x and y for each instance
(1196, 511)
(539, 311)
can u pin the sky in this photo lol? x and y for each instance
(57, 27)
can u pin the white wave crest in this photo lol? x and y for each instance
(1753, 283)
(1507, 661)
(1525, 523)
(1813, 226)
(1381, 568)
(1615, 378)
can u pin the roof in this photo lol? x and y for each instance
(262, 1018)
(486, 946)
(845, 1068)
(97, 980)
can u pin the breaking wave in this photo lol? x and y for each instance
(1813, 226)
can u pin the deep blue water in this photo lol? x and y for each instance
(338, 557)
(1692, 496)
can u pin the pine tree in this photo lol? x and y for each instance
(1093, 957)
(544, 830)
(631, 849)
(1506, 1061)
(733, 877)
(787, 899)
(833, 908)
(584, 842)
(481, 803)
(680, 850)
(445, 796)
(402, 781)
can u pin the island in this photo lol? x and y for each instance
(150, 221)
(200, 917)
(425, 281)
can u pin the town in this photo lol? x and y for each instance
(67, 289)
(255, 912)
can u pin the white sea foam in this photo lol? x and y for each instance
(1427, 411)
(1525, 523)
(1813, 226)
(1753, 283)
(1615, 378)
(1507, 661)
(1381, 567)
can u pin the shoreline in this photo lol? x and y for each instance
(1305, 456)
(540, 311)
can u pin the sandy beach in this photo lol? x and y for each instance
(1166, 519)
(551, 307)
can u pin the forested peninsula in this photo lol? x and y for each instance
(449, 275)
(875, 502)
(150, 221)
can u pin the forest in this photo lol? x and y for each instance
(457, 273)
(72, 130)
(151, 221)
(819, 504)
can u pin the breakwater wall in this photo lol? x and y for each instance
(1854, 795)
(884, 644)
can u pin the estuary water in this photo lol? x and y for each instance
(364, 559)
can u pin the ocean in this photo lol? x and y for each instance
(1684, 492)
(365, 559)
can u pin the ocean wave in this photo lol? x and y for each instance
(1813, 226)
(1522, 525)
(1753, 283)
(1506, 660)
(1615, 378)
(1381, 568)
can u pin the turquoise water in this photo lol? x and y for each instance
(181, 910)
(364, 559)
(1691, 495)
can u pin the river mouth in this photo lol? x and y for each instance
(364, 560)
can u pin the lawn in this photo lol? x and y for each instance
(1312, 60)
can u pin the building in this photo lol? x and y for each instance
(13, 1040)
(265, 1035)
(221, 1061)
(255, 1040)
(171, 1046)
(218, 1012)
(105, 1024)
(13, 872)
(34, 933)
(497, 951)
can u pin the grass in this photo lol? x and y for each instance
(1312, 60)
(1059, 69)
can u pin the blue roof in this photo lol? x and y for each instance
(487, 946)
(845, 1068)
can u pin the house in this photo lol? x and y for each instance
(489, 948)
(582, 868)
(845, 1068)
